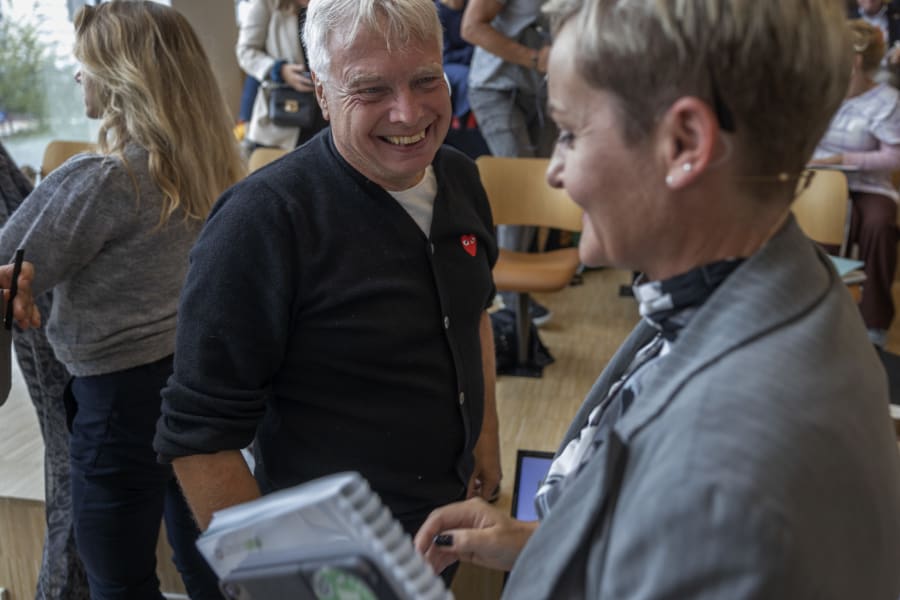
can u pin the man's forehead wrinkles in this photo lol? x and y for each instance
(358, 76)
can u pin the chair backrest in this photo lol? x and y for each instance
(519, 194)
(822, 207)
(260, 157)
(59, 151)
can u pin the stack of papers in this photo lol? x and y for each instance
(848, 269)
(331, 537)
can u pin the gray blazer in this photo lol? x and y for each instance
(759, 462)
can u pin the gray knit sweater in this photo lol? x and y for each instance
(116, 277)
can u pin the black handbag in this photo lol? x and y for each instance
(290, 108)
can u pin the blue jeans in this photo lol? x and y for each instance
(120, 492)
(514, 124)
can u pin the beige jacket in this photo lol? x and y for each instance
(266, 36)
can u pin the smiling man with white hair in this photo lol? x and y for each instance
(334, 312)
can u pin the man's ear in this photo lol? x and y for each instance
(320, 94)
(687, 133)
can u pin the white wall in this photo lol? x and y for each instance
(215, 24)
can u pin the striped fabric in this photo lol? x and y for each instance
(668, 306)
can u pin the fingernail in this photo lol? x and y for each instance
(443, 539)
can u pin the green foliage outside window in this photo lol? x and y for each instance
(23, 63)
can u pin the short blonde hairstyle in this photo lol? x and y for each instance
(868, 42)
(157, 90)
(400, 21)
(778, 69)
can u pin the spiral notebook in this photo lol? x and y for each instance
(327, 538)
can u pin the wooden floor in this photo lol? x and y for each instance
(21, 448)
(589, 323)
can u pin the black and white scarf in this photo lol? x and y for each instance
(668, 306)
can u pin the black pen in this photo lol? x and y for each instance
(13, 288)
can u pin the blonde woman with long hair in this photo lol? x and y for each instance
(110, 233)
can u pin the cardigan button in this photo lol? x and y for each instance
(432, 247)
(446, 322)
(462, 398)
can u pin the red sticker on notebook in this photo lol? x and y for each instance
(469, 244)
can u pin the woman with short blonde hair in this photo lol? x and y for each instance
(110, 235)
(723, 448)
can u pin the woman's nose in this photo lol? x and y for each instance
(554, 169)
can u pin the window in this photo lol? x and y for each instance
(39, 99)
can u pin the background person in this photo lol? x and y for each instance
(464, 134)
(738, 445)
(457, 55)
(362, 341)
(865, 133)
(269, 49)
(61, 576)
(109, 233)
(885, 15)
(508, 95)
(251, 84)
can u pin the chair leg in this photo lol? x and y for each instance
(523, 327)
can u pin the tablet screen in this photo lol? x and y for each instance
(531, 468)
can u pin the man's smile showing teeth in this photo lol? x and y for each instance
(405, 140)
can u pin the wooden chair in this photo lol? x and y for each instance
(260, 157)
(520, 195)
(822, 208)
(59, 151)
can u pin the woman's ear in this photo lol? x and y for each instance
(687, 134)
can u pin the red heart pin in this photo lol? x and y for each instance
(469, 244)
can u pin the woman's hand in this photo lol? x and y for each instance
(893, 54)
(543, 59)
(472, 531)
(296, 76)
(25, 313)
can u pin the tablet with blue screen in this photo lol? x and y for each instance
(531, 469)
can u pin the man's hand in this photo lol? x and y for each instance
(893, 54)
(296, 76)
(25, 313)
(485, 480)
(543, 59)
(472, 531)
